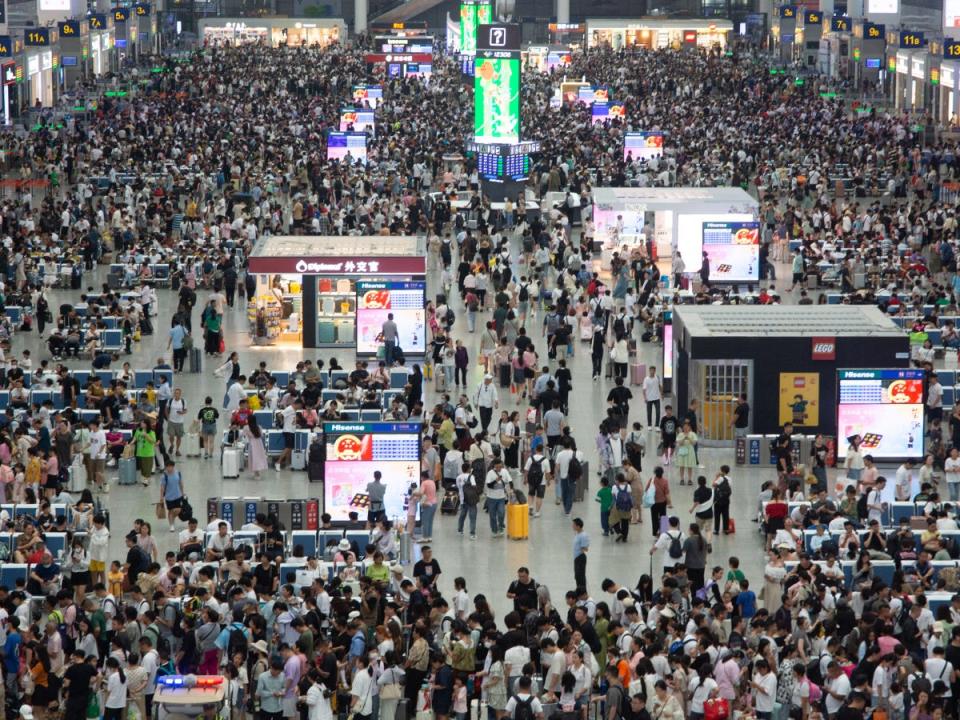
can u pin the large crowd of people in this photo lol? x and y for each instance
(228, 146)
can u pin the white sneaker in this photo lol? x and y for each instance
(172, 529)
(536, 514)
(473, 537)
(276, 466)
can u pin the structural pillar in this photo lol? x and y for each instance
(360, 16)
(563, 11)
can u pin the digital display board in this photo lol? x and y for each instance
(733, 251)
(496, 99)
(604, 111)
(883, 407)
(356, 120)
(340, 143)
(416, 44)
(589, 95)
(371, 95)
(558, 58)
(405, 301)
(642, 145)
(690, 233)
(667, 373)
(494, 166)
(951, 14)
(354, 451)
(873, 63)
(468, 28)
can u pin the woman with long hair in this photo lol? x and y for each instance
(390, 685)
(115, 685)
(695, 556)
(253, 436)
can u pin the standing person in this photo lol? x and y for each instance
(622, 507)
(853, 462)
(581, 545)
(497, 481)
(537, 475)
(741, 417)
(818, 461)
(176, 412)
(115, 684)
(722, 491)
(77, 686)
(145, 443)
(389, 330)
(661, 499)
(597, 350)
(486, 400)
(703, 509)
(270, 690)
(468, 486)
(668, 434)
(171, 492)
(253, 436)
(951, 468)
(376, 491)
(652, 393)
(208, 417)
(428, 506)
(686, 453)
(178, 334)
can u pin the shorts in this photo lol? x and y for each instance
(98, 465)
(288, 440)
(797, 277)
(539, 491)
(208, 429)
(705, 524)
(80, 578)
(173, 504)
(52, 482)
(518, 375)
(529, 373)
(98, 565)
(175, 429)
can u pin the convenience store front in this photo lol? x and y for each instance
(332, 291)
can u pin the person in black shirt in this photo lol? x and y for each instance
(619, 398)
(668, 433)
(137, 559)
(76, 686)
(523, 590)
(427, 569)
(741, 417)
(853, 708)
(265, 576)
(564, 384)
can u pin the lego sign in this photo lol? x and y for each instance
(824, 348)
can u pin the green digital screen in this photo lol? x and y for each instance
(484, 14)
(468, 28)
(496, 101)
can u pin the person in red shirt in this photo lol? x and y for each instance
(241, 415)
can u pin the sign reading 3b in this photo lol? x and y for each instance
(500, 36)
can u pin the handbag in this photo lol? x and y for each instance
(160, 511)
(649, 496)
(716, 709)
(391, 691)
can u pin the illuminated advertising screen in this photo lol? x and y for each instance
(496, 100)
(418, 44)
(570, 91)
(588, 95)
(603, 111)
(690, 234)
(355, 120)
(354, 451)
(667, 351)
(405, 301)
(340, 143)
(883, 407)
(733, 249)
(951, 13)
(559, 58)
(364, 95)
(484, 14)
(642, 145)
(468, 28)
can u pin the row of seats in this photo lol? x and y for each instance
(891, 515)
(808, 536)
(313, 542)
(885, 569)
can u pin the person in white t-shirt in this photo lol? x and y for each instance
(951, 468)
(461, 600)
(764, 683)
(97, 450)
(652, 390)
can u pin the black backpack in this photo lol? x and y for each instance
(574, 469)
(524, 294)
(523, 709)
(675, 550)
(862, 510)
(237, 643)
(535, 473)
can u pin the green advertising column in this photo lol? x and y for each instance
(496, 85)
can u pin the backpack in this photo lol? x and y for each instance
(675, 550)
(813, 673)
(237, 642)
(523, 709)
(722, 491)
(471, 493)
(524, 294)
(574, 469)
(816, 694)
(449, 317)
(862, 510)
(624, 501)
(535, 473)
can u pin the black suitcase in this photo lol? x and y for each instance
(505, 376)
(315, 471)
(196, 360)
(450, 504)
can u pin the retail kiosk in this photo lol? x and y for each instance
(785, 358)
(272, 31)
(653, 33)
(315, 291)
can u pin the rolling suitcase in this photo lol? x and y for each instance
(230, 462)
(583, 482)
(637, 373)
(518, 521)
(504, 376)
(128, 471)
(440, 383)
(326, 333)
(77, 478)
(298, 460)
(196, 360)
(191, 445)
(450, 505)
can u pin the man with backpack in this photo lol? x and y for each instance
(537, 474)
(524, 705)
(671, 544)
(568, 470)
(233, 639)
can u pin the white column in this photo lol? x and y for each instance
(359, 16)
(563, 11)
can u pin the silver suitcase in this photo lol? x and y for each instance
(298, 460)
(230, 462)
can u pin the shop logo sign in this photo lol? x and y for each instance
(824, 348)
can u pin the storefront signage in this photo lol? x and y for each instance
(874, 31)
(121, 14)
(823, 348)
(6, 46)
(951, 50)
(37, 37)
(70, 28)
(142, 9)
(567, 27)
(812, 17)
(912, 39)
(690, 37)
(398, 58)
(788, 11)
(840, 24)
(339, 265)
(10, 74)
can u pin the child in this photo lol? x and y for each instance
(115, 579)
(605, 498)
(459, 699)
(734, 575)
(746, 600)
(668, 433)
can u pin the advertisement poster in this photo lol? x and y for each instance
(642, 145)
(570, 91)
(496, 100)
(951, 13)
(405, 301)
(354, 451)
(354, 120)
(468, 28)
(733, 249)
(601, 112)
(341, 143)
(800, 399)
(368, 95)
(667, 373)
(484, 14)
(883, 407)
